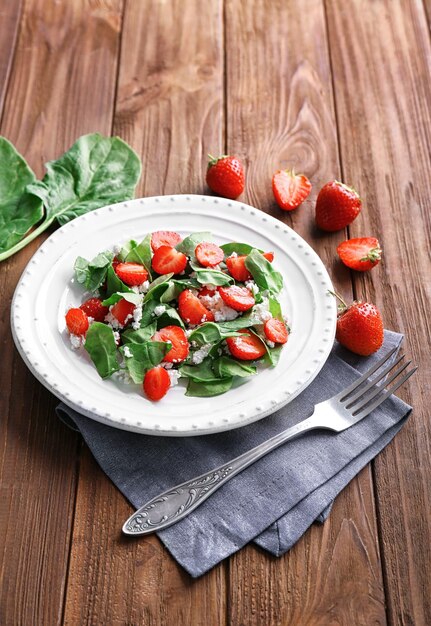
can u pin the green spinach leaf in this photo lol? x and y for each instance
(158, 287)
(199, 373)
(19, 211)
(92, 273)
(209, 388)
(100, 345)
(265, 276)
(139, 336)
(169, 318)
(210, 332)
(114, 284)
(94, 172)
(141, 254)
(239, 248)
(122, 255)
(130, 296)
(225, 366)
(188, 245)
(144, 357)
(212, 277)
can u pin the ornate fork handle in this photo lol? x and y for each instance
(172, 505)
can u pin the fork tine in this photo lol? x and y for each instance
(365, 400)
(384, 395)
(345, 392)
(376, 379)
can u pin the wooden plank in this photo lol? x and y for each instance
(169, 108)
(61, 86)
(280, 114)
(10, 14)
(384, 136)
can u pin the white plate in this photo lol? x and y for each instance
(46, 290)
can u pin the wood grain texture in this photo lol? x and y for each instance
(169, 107)
(280, 114)
(385, 136)
(308, 586)
(170, 91)
(52, 78)
(10, 14)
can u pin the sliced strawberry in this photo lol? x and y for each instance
(115, 262)
(131, 273)
(237, 268)
(167, 260)
(191, 309)
(275, 330)
(209, 254)
(178, 339)
(95, 309)
(164, 238)
(156, 383)
(290, 189)
(360, 254)
(247, 347)
(77, 322)
(238, 298)
(121, 310)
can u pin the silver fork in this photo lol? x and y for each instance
(336, 414)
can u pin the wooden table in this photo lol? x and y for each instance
(335, 89)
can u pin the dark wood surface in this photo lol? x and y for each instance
(334, 89)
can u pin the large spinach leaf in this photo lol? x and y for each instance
(94, 172)
(265, 276)
(19, 211)
(210, 332)
(100, 345)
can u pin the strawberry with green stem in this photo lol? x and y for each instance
(359, 327)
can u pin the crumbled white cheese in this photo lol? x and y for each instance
(159, 310)
(210, 287)
(167, 365)
(90, 319)
(76, 341)
(220, 310)
(270, 344)
(174, 375)
(127, 352)
(117, 249)
(233, 255)
(261, 311)
(137, 316)
(117, 337)
(189, 332)
(250, 284)
(199, 355)
(111, 320)
(141, 288)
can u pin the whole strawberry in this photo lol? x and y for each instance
(337, 205)
(360, 328)
(225, 176)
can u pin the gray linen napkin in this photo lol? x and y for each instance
(272, 502)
